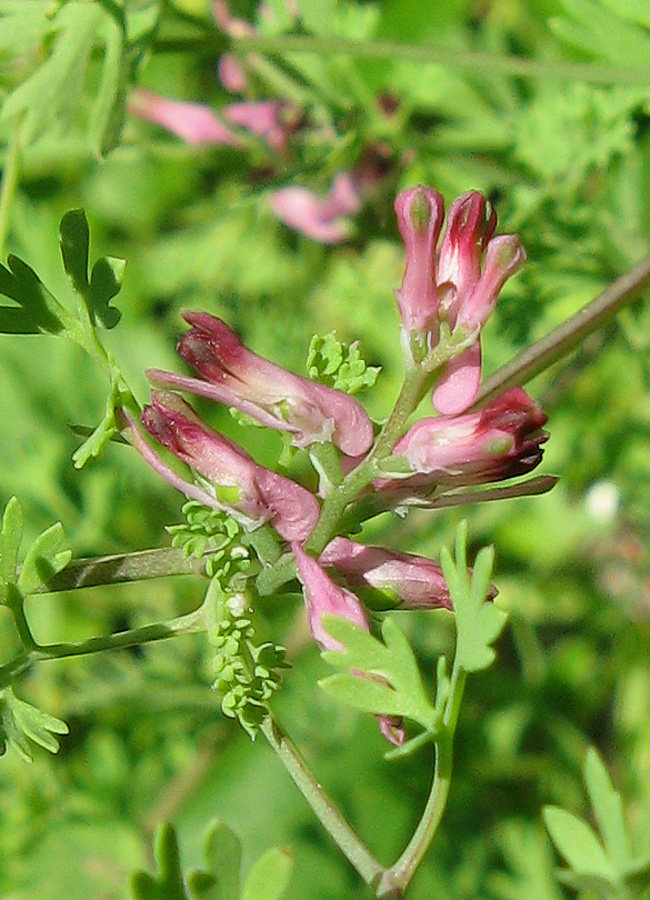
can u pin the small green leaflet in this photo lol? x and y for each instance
(108, 428)
(21, 723)
(37, 310)
(601, 864)
(268, 878)
(392, 685)
(339, 365)
(478, 621)
(106, 277)
(45, 558)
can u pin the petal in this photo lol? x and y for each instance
(459, 383)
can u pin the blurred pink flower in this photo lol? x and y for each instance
(499, 441)
(459, 286)
(227, 477)
(309, 411)
(322, 219)
(196, 123)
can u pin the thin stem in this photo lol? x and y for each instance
(565, 337)
(336, 502)
(190, 623)
(324, 809)
(396, 879)
(10, 178)
(516, 66)
(124, 567)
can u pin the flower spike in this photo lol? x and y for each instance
(457, 287)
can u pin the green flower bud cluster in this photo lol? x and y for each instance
(216, 535)
(246, 673)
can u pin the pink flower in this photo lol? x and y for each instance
(460, 286)
(420, 212)
(322, 219)
(227, 477)
(323, 597)
(502, 440)
(196, 123)
(402, 579)
(309, 411)
(410, 582)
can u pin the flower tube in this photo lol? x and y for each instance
(324, 597)
(458, 286)
(499, 441)
(309, 411)
(228, 479)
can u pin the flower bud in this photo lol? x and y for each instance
(419, 217)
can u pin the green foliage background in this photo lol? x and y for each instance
(562, 144)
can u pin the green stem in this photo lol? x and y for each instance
(124, 567)
(396, 879)
(324, 809)
(516, 66)
(336, 502)
(464, 60)
(565, 337)
(10, 178)
(15, 601)
(192, 622)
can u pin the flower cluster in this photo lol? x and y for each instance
(455, 288)
(444, 299)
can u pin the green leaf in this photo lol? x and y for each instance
(478, 621)
(20, 723)
(38, 310)
(604, 33)
(578, 843)
(106, 277)
(109, 109)
(223, 862)
(608, 809)
(339, 365)
(44, 559)
(390, 682)
(108, 428)
(52, 92)
(269, 877)
(11, 533)
(169, 883)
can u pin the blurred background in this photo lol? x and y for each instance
(268, 202)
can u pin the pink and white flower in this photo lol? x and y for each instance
(499, 441)
(232, 374)
(226, 477)
(459, 285)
